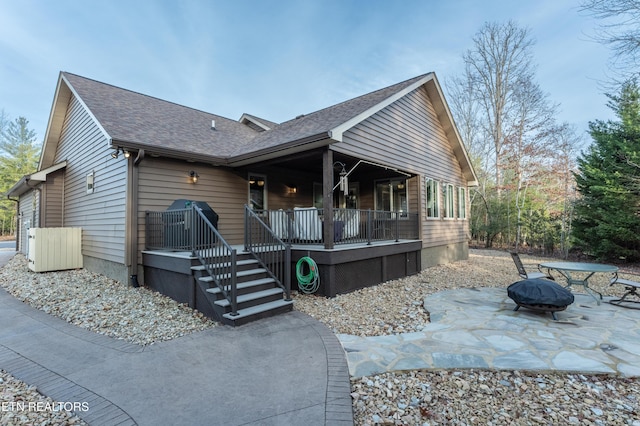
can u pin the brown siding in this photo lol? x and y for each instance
(162, 181)
(53, 191)
(101, 214)
(407, 135)
(28, 217)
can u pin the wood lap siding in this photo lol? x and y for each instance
(26, 213)
(163, 181)
(101, 214)
(53, 215)
(407, 134)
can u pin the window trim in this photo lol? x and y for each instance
(91, 182)
(262, 177)
(462, 203)
(393, 194)
(449, 202)
(432, 186)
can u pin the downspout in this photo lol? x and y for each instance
(17, 225)
(133, 217)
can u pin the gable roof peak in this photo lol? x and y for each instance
(76, 77)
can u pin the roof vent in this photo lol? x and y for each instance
(213, 124)
(300, 116)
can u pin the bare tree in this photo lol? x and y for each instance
(529, 144)
(620, 29)
(501, 57)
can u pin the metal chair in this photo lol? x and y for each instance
(522, 271)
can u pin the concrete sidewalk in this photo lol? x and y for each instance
(286, 370)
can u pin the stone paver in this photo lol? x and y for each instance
(479, 329)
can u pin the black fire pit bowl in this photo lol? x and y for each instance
(540, 295)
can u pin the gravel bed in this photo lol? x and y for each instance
(102, 305)
(475, 397)
(23, 405)
(467, 397)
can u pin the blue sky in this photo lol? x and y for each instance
(279, 59)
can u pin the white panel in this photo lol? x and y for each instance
(55, 249)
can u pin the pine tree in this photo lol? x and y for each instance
(607, 222)
(19, 155)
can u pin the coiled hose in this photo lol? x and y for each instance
(307, 283)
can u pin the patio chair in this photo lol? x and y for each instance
(351, 223)
(522, 271)
(307, 223)
(279, 222)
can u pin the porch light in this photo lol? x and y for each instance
(116, 153)
(292, 189)
(193, 176)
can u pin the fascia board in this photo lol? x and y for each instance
(170, 153)
(254, 121)
(459, 148)
(61, 98)
(41, 176)
(301, 145)
(88, 110)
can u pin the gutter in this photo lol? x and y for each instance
(171, 153)
(317, 140)
(17, 220)
(309, 142)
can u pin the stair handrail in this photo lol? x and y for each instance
(266, 247)
(216, 255)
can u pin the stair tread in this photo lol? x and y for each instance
(251, 296)
(242, 285)
(242, 313)
(225, 264)
(239, 274)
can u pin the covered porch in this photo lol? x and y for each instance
(322, 197)
(359, 220)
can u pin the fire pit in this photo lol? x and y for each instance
(540, 295)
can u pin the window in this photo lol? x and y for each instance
(449, 212)
(391, 196)
(257, 192)
(433, 206)
(91, 182)
(462, 203)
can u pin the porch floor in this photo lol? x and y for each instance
(295, 247)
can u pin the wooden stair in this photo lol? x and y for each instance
(258, 295)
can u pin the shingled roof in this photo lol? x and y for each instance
(147, 122)
(318, 125)
(138, 121)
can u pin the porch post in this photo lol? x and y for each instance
(327, 197)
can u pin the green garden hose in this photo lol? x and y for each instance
(308, 283)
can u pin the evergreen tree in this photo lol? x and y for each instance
(607, 221)
(19, 155)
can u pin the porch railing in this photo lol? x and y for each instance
(351, 226)
(271, 252)
(190, 230)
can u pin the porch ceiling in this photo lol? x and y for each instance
(311, 162)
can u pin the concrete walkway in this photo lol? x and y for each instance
(477, 328)
(285, 370)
